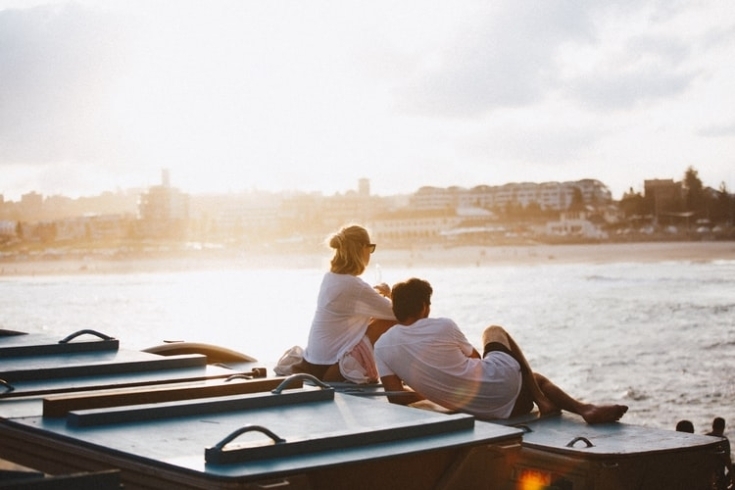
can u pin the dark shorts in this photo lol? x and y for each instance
(316, 370)
(524, 402)
(495, 346)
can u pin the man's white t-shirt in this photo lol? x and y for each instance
(431, 356)
(344, 308)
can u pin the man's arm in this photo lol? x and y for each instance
(397, 392)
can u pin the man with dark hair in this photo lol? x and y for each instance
(433, 357)
(718, 427)
(726, 479)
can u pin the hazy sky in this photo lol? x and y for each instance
(313, 95)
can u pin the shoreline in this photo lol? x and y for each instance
(566, 253)
(430, 256)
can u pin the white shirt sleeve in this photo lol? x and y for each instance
(371, 303)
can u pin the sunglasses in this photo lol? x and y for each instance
(371, 246)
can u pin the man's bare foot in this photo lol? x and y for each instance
(600, 414)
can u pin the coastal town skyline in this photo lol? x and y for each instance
(232, 96)
(580, 206)
(362, 185)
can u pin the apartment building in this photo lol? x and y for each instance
(548, 195)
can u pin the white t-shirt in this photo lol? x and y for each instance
(345, 306)
(430, 356)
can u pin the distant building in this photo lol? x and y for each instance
(7, 229)
(575, 224)
(70, 229)
(249, 217)
(548, 195)
(662, 197)
(363, 187)
(339, 210)
(31, 205)
(428, 198)
(410, 226)
(163, 211)
(109, 227)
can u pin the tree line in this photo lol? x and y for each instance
(688, 198)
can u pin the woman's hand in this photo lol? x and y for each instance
(383, 289)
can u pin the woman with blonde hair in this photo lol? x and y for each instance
(350, 314)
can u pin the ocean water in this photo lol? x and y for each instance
(658, 337)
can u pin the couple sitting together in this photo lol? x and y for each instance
(362, 334)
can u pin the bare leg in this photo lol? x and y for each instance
(333, 374)
(530, 384)
(592, 414)
(550, 398)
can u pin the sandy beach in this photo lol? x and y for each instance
(430, 256)
(582, 253)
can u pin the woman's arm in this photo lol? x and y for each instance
(372, 304)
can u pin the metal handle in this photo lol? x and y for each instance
(248, 428)
(82, 332)
(580, 438)
(8, 386)
(258, 372)
(301, 376)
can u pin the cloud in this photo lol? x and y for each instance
(57, 66)
(503, 57)
(516, 55)
(618, 91)
(718, 130)
(644, 70)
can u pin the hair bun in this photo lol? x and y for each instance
(337, 240)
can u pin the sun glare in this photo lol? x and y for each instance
(534, 480)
